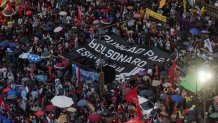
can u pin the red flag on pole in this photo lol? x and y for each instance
(167, 101)
(8, 7)
(171, 72)
(79, 15)
(132, 97)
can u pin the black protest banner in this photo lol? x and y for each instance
(116, 53)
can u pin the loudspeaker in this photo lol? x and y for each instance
(109, 74)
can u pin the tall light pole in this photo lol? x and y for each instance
(203, 76)
(100, 32)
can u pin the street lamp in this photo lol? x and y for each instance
(203, 76)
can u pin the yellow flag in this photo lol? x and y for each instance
(3, 4)
(203, 10)
(162, 3)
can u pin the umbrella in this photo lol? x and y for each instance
(39, 113)
(195, 31)
(11, 97)
(46, 54)
(62, 101)
(58, 29)
(104, 10)
(146, 78)
(7, 121)
(162, 97)
(24, 79)
(95, 21)
(36, 109)
(106, 112)
(12, 44)
(136, 15)
(106, 21)
(214, 115)
(205, 31)
(25, 39)
(49, 108)
(141, 85)
(82, 102)
(156, 83)
(216, 98)
(177, 98)
(6, 90)
(41, 78)
(164, 113)
(189, 118)
(49, 28)
(167, 84)
(141, 73)
(94, 117)
(24, 56)
(12, 92)
(146, 93)
(7, 13)
(66, 62)
(191, 112)
(4, 44)
(34, 58)
(2, 117)
(62, 118)
(130, 7)
(29, 13)
(63, 13)
(71, 109)
(59, 66)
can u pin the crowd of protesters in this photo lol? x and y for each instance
(34, 34)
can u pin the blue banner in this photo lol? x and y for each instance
(85, 74)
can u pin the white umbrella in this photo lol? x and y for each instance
(156, 83)
(71, 109)
(63, 13)
(145, 78)
(58, 29)
(62, 101)
(167, 84)
(24, 55)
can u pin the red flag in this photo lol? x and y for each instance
(174, 109)
(79, 15)
(139, 112)
(8, 7)
(167, 101)
(132, 97)
(171, 72)
(3, 104)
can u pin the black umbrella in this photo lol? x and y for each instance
(25, 39)
(106, 113)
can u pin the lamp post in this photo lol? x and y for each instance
(203, 75)
(100, 32)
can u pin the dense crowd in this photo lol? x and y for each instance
(34, 33)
